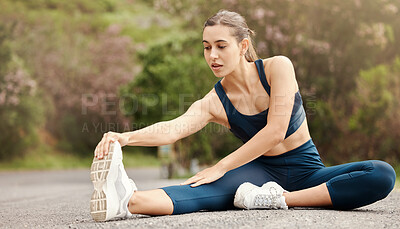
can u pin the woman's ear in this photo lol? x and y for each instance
(244, 46)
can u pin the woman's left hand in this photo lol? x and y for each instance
(206, 176)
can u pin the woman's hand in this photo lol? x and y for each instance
(104, 145)
(206, 176)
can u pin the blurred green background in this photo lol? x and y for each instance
(73, 70)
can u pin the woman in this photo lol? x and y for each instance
(259, 101)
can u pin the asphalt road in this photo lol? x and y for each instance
(60, 199)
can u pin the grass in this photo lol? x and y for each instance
(397, 169)
(46, 158)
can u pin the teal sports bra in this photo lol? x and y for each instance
(246, 126)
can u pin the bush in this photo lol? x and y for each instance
(21, 109)
(375, 122)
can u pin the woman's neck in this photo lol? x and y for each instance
(241, 80)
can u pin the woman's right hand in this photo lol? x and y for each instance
(108, 138)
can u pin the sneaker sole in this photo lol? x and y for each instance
(98, 174)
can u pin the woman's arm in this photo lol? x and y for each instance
(283, 89)
(162, 133)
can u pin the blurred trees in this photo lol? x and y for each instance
(375, 122)
(78, 59)
(20, 106)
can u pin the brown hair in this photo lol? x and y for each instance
(239, 26)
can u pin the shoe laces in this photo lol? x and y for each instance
(269, 199)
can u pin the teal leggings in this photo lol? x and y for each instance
(350, 185)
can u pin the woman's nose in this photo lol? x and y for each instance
(214, 54)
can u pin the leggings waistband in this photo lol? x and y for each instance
(304, 155)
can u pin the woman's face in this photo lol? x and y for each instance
(221, 50)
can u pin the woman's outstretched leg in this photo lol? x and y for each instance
(151, 202)
(116, 196)
(215, 196)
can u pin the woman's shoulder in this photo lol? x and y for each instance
(279, 66)
(211, 95)
(276, 61)
(276, 64)
(211, 104)
(210, 100)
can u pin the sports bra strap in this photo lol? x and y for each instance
(261, 74)
(222, 96)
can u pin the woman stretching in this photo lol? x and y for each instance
(278, 166)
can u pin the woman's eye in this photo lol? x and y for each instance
(207, 48)
(221, 47)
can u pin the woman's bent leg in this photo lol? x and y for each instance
(317, 196)
(360, 188)
(352, 185)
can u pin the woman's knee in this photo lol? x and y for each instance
(135, 199)
(140, 198)
(151, 202)
(384, 177)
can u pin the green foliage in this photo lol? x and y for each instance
(79, 52)
(174, 75)
(21, 109)
(72, 5)
(375, 121)
(78, 58)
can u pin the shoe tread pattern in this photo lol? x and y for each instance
(98, 174)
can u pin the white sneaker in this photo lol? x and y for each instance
(112, 187)
(269, 196)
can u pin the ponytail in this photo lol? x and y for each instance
(251, 54)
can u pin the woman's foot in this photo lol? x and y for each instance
(112, 187)
(269, 196)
